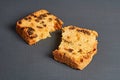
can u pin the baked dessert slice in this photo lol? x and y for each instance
(77, 48)
(37, 26)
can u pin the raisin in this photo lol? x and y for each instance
(63, 30)
(33, 15)
(69, 50)
(23, 28)
(29, 17)
(33, 36)
(86, 57)
(36, 20)
(42, 16)
(39, 27)
(72, 27)
(20, 22)
(90, 52)
(66, 41)
(42, 22)
(68, 37)
(50, 19)
(94, 49)
(26, 18)
(30, 30)
(48, 13)
(81, 60)
(44, 25)
(64, 54)
(80, 50)
(84, 31)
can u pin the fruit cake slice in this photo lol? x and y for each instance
(77, 48)
(37, 26)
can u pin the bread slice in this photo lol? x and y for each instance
(37, 26)
(77, 48)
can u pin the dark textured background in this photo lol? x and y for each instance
(19, 61)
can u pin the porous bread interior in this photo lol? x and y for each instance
(77, 40)
(75, 46)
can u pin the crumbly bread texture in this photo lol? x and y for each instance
(77, 48)
(37, 26)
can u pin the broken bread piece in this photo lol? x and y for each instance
(77, 48)
(37, 26)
